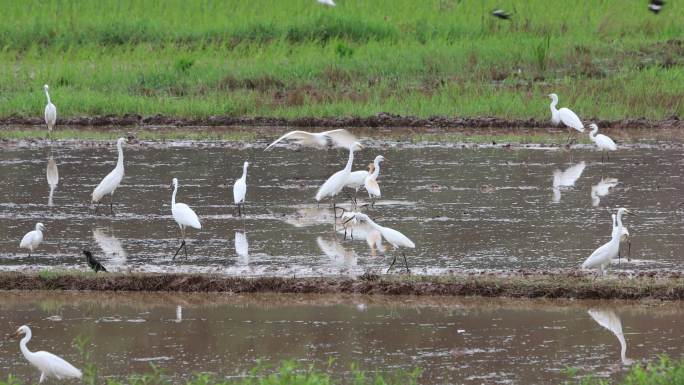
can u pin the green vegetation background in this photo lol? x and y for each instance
(291, 58)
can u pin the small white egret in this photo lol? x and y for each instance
(602, 256)
(357, 179)
(338, 180)
(371, 181)
(567, 178)
(330, 3)
(393, 237)
(601, 189)
(50, 111)
(609, 320)
(184, 216)
(564, 115)
(52, 175)
(333, 138)
(111, 182)
(32, 239)
(603, 142)
(240, 190)
(49, 364)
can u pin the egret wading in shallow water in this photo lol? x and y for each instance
(52, 176)
(240, 190)
(357, 179)
(338, 180)
(184, 216)
(602, 257)
(111, 182)
(564, 115)
(50, 111)
(93, 263)
(603, 142)
(371, 181)
(333, 138)
(49, 364)
(32, 239)
(393, 237)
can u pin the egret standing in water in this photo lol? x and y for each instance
(338, 180)
(111, 182)
(357, 179)
(564, 115)
(49, 364)
(603, 142)
(371, 181)
(393, 237)
(240, 189)
(184, 216)
(624, 237)
(50, 111)
(602, 257)
(333, 138)
(32, 239)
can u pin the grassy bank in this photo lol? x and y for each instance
(521, 284)
(295, 58)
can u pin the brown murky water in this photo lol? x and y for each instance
(465, 208)
(454, 340)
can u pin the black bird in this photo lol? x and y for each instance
(93, 263)
(501, 14)
(656, 5)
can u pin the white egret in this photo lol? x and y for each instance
(624, 237)
(338, 180)
(93, 263)
(111, 246)
(567, 178)
(111, 182)
(603, 142)
(330, 3)
(49, 364)
(393, 237)
(184, 216)
(371, 181)
(357, 179)
(52, 175)
(240, 189)
(32, 239)
(50, 111)
(609, 320)
(333, 138)
(564, 115)
(602, 256)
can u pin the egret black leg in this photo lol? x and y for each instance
(392, 264)
(185, 249)
(629, 250)
(406, 262)
(111, 204)
(179, 249)
(97, 206)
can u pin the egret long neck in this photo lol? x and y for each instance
(119, 162)
(373, 224)
(48, 96)
(173, 196)
(244, 171)
(376, 171)
(22, 345)
(554, 102)
(592, 134)
(351, 160)
(619, 225)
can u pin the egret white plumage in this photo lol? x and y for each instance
(603, 142)
(393, 237)
(184, 216)
(49, 364)
(564, 115)
(240, 189)
(333, 185)
(624, 237)
(602, 256)
(52, 176)
(333, 138)
(32, 239)
(371, 181)
(111, 182)
(50, 111)
(329, 3)
(111, 246)
(609, 320)
(357, 179)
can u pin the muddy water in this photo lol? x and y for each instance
(452, 340)
(465, 208)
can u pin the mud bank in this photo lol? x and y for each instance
(569, 284)
(378, 120)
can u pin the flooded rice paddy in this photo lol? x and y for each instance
(453, 340)
(465, 207)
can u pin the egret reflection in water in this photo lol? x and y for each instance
(609, 320)
(601, 189)
(111, 246)
(337, 253)
(52, 175)
(566, 179)
(242, 248)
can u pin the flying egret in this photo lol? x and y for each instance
(601, 189)
(32, 239)
(603, 142)
(371, 181)
(52, 175)
(240, 189)
(564, 115)
(184, 216)
(392, 236)
(50, 111)
(656, 6)
(333, 138)
(567, 178)
(602, 256)
(49, 364)
(111, 182)
(93, 263)
(501, 14)
(609, 320)
(330, 3)
(337, 181)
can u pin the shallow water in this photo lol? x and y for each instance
(454, 340)
(465, 208)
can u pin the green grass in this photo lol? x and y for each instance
(101, 135)
(664, 371)
(292, 58)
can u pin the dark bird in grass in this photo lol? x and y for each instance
(656, 5)
(93, 263)
(501, 14)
